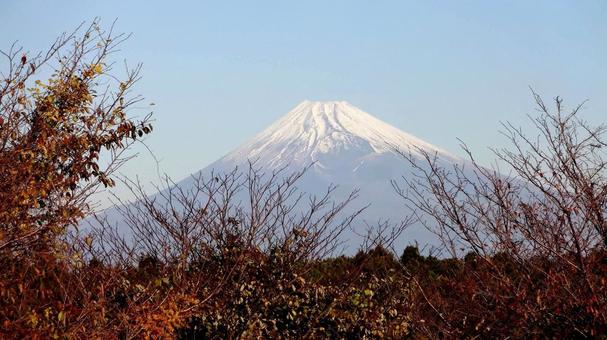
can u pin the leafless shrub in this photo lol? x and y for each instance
(544, 223)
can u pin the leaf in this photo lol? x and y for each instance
(97, 68)
(33, 319)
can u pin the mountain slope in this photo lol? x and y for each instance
(347, 147)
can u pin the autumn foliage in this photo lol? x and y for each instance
(51, 135)
(523, 255)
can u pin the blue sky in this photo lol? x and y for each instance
(219, 72)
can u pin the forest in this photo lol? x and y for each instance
(523, 255)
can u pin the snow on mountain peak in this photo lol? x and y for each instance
(326, 132)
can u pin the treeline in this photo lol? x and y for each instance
(522, 255)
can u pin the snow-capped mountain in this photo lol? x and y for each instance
(332, 134)
(347, 147)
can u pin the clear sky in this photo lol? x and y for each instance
(219, 72)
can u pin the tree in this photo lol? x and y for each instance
(52, 135)
(538, 235)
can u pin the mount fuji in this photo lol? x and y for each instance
(343, 146)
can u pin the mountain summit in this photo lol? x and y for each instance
(330, 134)
(346, 147)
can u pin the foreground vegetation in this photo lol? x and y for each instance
(523, 256)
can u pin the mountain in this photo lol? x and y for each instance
(347, 147)
(336, 135)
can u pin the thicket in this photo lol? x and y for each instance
(523, 255)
